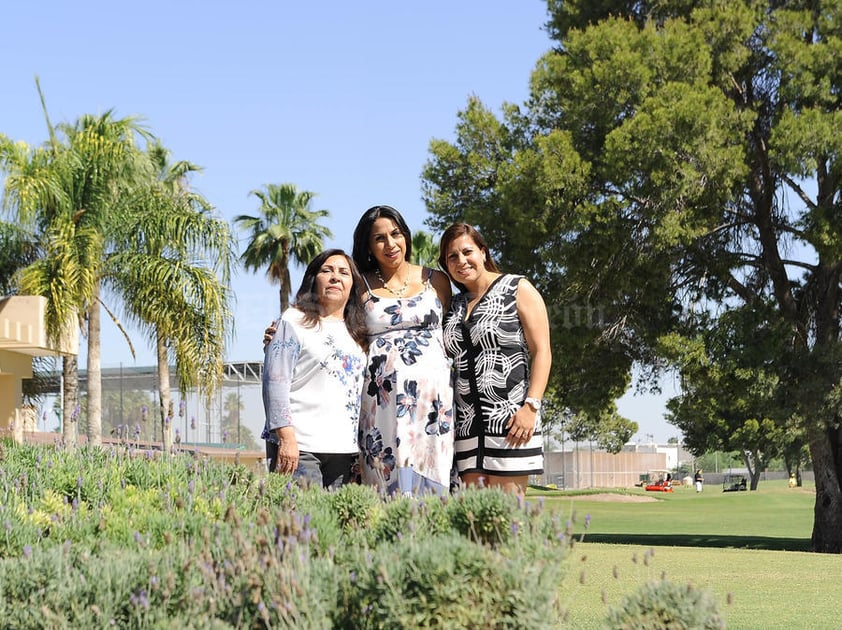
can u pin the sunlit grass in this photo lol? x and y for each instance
(745, 547)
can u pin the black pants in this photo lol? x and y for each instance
(272, 455)
(329, 470)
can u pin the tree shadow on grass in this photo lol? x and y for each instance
(702, 540)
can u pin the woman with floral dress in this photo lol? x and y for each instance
(406, 415)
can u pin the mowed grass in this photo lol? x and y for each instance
(748, 548)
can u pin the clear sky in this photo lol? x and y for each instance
(339, 98)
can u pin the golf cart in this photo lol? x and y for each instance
(733, 482)
(656, 480)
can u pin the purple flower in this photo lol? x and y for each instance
(140, 599)
(27, 550)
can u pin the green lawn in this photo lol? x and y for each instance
(748, 548)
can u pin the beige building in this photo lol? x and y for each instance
(22, 337)
(586, 468)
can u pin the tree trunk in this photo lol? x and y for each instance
(827, 513)
(284, 299)
(164, 398)
(70, 400)
(753, 464)
(94, 370)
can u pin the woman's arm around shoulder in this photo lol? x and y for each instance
(441, 283)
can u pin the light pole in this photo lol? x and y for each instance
(678, 455)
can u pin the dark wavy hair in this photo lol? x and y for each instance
(362, 256)
(463, 229)
(307, 301)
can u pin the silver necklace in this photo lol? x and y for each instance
(396, 292)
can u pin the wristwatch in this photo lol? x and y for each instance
(535, 403)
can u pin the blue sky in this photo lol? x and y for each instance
(339, 98)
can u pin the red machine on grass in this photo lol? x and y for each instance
(657, 480)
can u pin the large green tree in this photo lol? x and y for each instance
(676, 160)
(286, 231)
(734, 397)
(116, 221)
(169, 265)
(62, 192)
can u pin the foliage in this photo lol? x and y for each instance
(446, 581)
(286, 231)
(425, 250)
(110, 219)
(233, 430)
(97, 537)
(486, 517)
(735, 396)
(677, 164)
(17, 250)
(664, 604)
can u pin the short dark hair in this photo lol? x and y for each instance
(463, 229)
(354, 313)
(362, 256)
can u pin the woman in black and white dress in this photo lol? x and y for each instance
(497, 332)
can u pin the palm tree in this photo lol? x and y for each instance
(425, 252)
(18, 249)
(68, 192)
(287, 230)
(38, 191)
(232, 426)
(171, 264)
(109, 170)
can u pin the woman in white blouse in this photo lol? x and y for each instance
(313, 374)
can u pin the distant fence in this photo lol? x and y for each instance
(130, 395)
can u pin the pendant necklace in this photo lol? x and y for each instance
(396, 292)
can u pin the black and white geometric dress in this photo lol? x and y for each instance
(491, 363)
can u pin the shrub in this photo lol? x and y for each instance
(666, 605)
(411, 516)
(484, 515)
(99, 537)
(447, 581)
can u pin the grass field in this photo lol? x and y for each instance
(748, 548)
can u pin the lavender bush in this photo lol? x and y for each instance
(102, 537)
